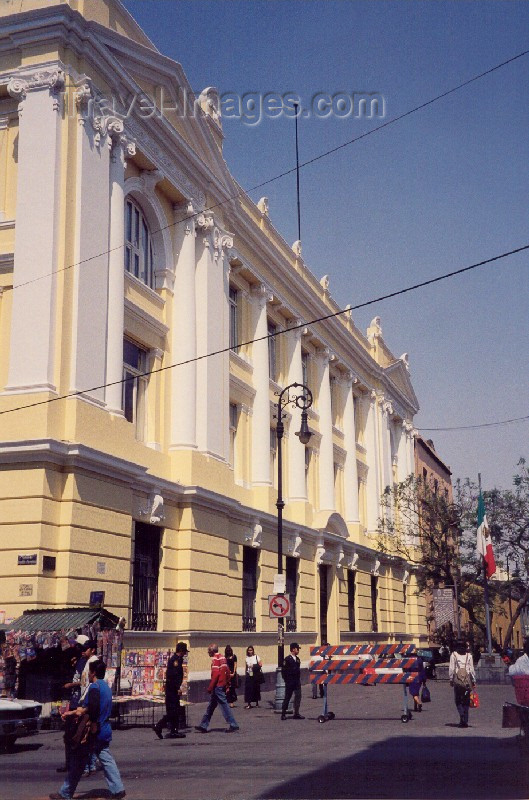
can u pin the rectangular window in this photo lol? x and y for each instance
(307, 469)
(359, 420)
(234, 318)
(234, 420)
(272, 352)
(334, 404)
(351, 592)
(291, 591)
(134, 386)
(305, 368)
(249, 588)
(145, 577)
(374, 603)
(273, 456)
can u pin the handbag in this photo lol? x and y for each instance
(425, 695)
(474, 699)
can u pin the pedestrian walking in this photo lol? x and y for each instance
(463, 678)
(220, 679)
(174, 677)
(79, 660)
(94, 731)
(253, 677)
(521, 665)
(231, 661)
(419, 681)
(291, 672)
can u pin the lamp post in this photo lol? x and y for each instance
(302, 398)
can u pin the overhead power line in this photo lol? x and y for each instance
(481, 425)
(276, 333)
(307, 163)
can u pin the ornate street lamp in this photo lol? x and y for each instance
(302, 398)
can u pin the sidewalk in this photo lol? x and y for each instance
(366, 752)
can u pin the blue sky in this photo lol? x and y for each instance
(442, 189)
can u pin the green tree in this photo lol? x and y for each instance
(438, 536)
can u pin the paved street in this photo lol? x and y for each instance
(366, 752)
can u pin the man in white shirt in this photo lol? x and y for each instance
(521, 665)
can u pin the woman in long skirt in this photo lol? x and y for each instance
(252, 680)
(231, 660)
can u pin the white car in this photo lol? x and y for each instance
(18, 718)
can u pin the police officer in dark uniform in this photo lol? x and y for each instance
(173, 681)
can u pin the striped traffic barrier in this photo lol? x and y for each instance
(364, 665)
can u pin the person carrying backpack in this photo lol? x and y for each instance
(463, 679)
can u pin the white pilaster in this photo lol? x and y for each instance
(297, 490)
(184, 378)
(260, 295)
(326, 457)
(213, 376)
(373, 480)
(116, 264)
(385, 441)
(350, 466)
(90, 293)
(31, 360)
(402, 451)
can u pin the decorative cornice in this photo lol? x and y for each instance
(179, 180)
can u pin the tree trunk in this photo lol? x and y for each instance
(519, 608)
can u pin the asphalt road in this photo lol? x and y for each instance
(366, 752)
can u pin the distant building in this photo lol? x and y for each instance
(127, 247)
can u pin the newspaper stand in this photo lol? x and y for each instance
(367, 665)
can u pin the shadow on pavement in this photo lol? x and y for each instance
(20, 748)
(481, 768)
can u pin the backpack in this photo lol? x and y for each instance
(462, 677)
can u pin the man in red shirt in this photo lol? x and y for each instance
(220, 680)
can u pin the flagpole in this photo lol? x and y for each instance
(486, 591)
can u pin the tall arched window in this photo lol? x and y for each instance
(138, 244)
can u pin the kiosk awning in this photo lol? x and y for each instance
(58, 619)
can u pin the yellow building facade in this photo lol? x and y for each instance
(149, 315)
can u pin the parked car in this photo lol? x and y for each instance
(18, 718)
(432, 656)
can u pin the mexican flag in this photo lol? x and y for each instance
(484, 543)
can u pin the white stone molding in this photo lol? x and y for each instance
(325, 283)
(175, 176)
(261, 295)
(406, 576)
(255, 535)
(153, 511)
(294, 545)
(340, 556)
(405, 360)
(353, 562)
(376, 568)
(209, 102)
(320, 551)
(21, 84)
(296, 247)
(263, 206)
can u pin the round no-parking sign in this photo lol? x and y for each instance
(278, 606)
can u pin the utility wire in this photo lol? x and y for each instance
(326, 153)
(482, 425)
(276, 333)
